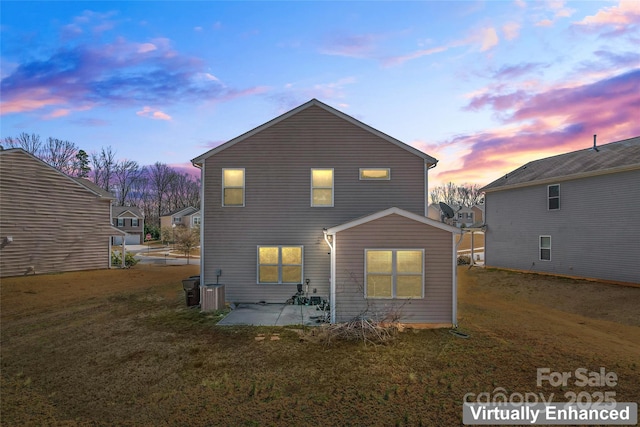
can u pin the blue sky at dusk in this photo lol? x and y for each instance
(482, 86)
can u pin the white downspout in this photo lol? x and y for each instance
(332, 292)
(454, 314)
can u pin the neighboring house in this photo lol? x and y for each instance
(575, 214)
(186, 217)
(316, 197)
(464, 216)
(50, 222)
(130, 220)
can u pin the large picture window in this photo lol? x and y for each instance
(321, 187)
(280, 264)
(233, 187)
(553, 193)
(394, 273)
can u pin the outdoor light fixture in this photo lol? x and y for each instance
(8, 239)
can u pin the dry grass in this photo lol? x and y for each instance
(119, 348)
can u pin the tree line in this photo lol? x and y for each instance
(156, 189)
(457, 196)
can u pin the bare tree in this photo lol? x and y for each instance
(457, 195)
(104, 164)
(126, 178)
(160, 177)
(29, 143)
(184, 191)
(60, 154)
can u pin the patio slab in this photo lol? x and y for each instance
(272, 315)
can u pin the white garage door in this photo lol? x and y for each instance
(130, 239)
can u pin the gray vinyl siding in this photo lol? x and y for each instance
(395, 232)
(56, 224)
(594, 234)
(278, 162)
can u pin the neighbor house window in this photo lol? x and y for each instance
(134, 222)
(280, 264)
(232, 187)
(545, 248)
(553, 192)
(394, 273)
(120, 222)
(321, 187)
(196, 220)
(375, 174)
(177, 220)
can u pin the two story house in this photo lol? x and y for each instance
(50, 222)
(316, 197)
(186, 217)
(575, 214)
(130, 220)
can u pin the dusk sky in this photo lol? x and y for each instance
(482, 86)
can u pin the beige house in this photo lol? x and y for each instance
(187, 217)
(50, 222)
(318, 198)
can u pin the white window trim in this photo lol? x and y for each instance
(540, 248)
(375, 169)
(280, 265)
(333, 185)
(394, 274)
(196, 220)
(135, 219)
(244, 191)
(554, 197)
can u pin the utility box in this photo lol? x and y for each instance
(212, 297)
(191, 290)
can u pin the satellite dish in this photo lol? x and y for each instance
(446, 210)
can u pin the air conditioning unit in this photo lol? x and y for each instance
(212, 297)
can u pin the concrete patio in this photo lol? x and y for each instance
(272, 315)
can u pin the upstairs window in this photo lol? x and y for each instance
(135, 222)
(394, 273)
(195, 220)
(280, 264)
(233, 187)
(545, 248)
(120, 222)
(553, 193)
(322, 187)
(375, 174)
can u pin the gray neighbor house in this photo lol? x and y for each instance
(318, 198)
(575, 214)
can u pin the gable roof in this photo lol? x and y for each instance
(391, 211)
(94, 187)
(117, 211)
(86, 184)
(182, 212)
(614, 157)
(314, 102)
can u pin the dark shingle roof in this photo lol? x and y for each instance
(612, 157)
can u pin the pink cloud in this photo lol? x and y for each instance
(153, 113)
(28, 100)
(484, 39)
(552, 121)
(626, 13)
(511, 30)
